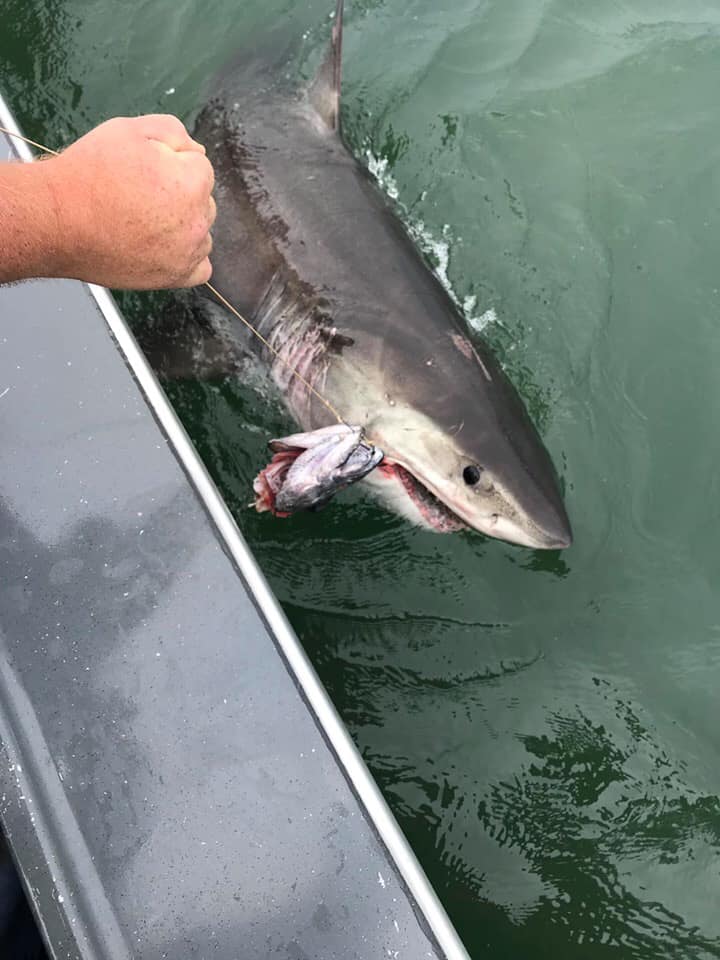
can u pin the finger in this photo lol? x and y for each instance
(206, 246)
(200, 167)
(193, 146)
(201, 274)
(169, 131)
(203, 250)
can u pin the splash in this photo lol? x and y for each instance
(484, 320)
(378, 167)
(437, 250)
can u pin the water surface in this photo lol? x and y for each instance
(543, 725)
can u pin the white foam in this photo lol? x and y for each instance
(437, 249)
(479, 323)
(378, 167)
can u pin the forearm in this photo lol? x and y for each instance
(31, 233)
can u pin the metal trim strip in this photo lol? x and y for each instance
(304, 673)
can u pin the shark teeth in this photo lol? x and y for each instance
(432, 512)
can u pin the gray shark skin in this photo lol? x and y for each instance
(308, 249)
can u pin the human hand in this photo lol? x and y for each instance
(134, 205)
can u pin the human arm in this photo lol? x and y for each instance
(127, 206)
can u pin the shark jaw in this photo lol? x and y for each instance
(402, 491)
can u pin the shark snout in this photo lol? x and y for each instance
(544, 525)
(552, 529)
(557, 541)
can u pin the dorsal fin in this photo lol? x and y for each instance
(325, 88)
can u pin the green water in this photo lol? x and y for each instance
(543, 725)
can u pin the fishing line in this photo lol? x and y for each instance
(32, 143)
(272, 349)
(221, 298)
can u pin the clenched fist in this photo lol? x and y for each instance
(129, 206)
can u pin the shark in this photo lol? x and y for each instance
(309, 250)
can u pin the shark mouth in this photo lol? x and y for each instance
(432, 512)
(427, 509)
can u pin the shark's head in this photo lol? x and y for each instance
(447, 482)
(469, 455)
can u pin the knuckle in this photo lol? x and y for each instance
(203, 171)
(166, 120)
(163, 127)
(175, 124)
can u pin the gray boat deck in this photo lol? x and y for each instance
(174, 781)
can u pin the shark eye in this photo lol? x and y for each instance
(471, 475)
